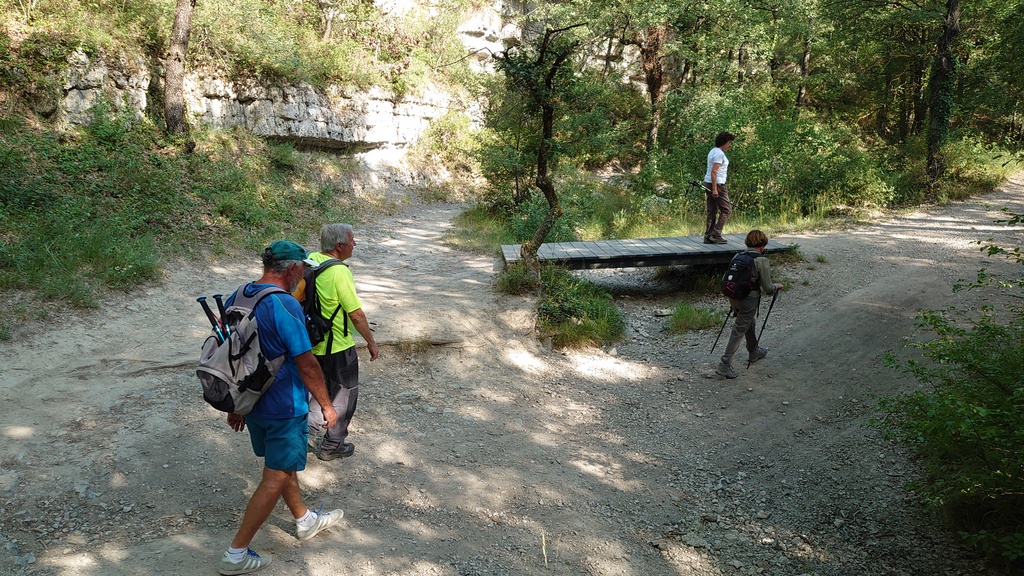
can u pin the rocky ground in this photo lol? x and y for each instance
(479, 450)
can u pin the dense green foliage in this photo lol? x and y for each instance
(845, 132)
(967, 422)
(346, 42)
(105, 208)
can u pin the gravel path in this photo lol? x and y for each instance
(479, 451)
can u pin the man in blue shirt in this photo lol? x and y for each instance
(277, 424)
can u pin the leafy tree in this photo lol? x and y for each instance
(542, 73)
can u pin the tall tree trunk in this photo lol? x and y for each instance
(941, 84)
(174, 75)
(651, 44)
(920, 101)
(654, 75)
(608, 58)
(741, 61)
(882, 120)
(805, 70)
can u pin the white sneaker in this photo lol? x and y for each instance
(323, 520)
(250, 563)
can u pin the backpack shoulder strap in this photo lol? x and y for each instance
(316, 272)
(250, 302)
(325, 265)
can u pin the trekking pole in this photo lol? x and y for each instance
(763, 324)
(223, 314)
(209, 314)
(722, 329)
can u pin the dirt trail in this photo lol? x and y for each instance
(481, 452)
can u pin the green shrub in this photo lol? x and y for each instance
(527, 217)
(575, 313)
(967, 421)
(968, 426)
(448, 145)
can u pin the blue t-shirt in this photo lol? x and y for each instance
(282, 330)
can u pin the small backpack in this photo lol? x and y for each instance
(739, 278)
(233, 371)
(318, 327)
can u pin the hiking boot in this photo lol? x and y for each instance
(343, 451)
(726, 371)
(323, 521)
(758, 354)
(250, 563)
(715, 240)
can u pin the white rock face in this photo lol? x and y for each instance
(482, 33)
(87, 81)
(306, 115)
(300, 113)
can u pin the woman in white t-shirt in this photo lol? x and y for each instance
(718, 205)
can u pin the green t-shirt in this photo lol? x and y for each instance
(335, 285)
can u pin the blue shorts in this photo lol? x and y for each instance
(282, 442)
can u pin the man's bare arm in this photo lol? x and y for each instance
(313, 378)
(363, 327)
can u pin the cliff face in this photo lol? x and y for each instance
(308, 116)
(328, 118)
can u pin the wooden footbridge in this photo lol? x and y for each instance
(638, 252)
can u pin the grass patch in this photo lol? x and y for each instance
(99, 209)
(574, 313)
(516, 279)
(478, 230)
(687, 317)
(792, 256)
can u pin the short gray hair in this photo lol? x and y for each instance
(334, 234)
(276, 266)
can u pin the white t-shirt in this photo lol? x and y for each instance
(717, 156)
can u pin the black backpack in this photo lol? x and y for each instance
(739, 278)
(318, 327)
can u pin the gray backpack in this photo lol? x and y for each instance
(232, 369)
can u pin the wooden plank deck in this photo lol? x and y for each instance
(638, 252)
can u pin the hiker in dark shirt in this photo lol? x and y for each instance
(746, 308)
(278, 422)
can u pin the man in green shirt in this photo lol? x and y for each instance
(337, 353)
